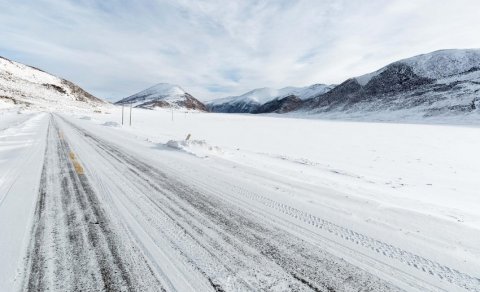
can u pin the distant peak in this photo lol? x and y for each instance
(165, 86)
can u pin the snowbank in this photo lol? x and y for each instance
(198, 148)
(109, 124)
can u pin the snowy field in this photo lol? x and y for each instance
(431, 169)
(398, 201)
(410, 184)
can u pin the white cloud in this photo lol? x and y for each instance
(218, 48)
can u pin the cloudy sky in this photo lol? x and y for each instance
(217, 48)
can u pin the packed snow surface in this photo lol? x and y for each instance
(22, 145)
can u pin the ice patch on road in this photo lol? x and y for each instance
(198, 148)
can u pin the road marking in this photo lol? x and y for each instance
(78, 167)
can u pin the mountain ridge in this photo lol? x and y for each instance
(164, 95)
(251, 101)
(436, 83)
(28, 86)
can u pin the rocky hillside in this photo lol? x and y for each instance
(280, 105)
(164, 95)
(445, 82)
(26, 86)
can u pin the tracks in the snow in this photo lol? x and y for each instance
(229, 246)
(421, 264)
(74, 245)
(108, 220)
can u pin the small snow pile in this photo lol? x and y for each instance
(198, 148)
(6, 104)
(111, 124)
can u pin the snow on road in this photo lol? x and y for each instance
(75, 245)
(198, 237)
(382, 173)
(411, 185)
(22, 144)
(246, 203)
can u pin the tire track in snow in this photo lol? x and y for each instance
(423, 265)
(303, 264)
(74, 245)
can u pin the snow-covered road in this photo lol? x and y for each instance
(115, 212)
(73, 245)
(198, 235)
(22, 147)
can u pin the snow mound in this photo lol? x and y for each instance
(6, 104)
(111, 124)
(198, 148)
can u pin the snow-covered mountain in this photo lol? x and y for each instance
(280, 105)
(26, 86)
(251, 101)
(164, 95)
(445, 82)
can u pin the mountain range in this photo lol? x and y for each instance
(254, 100)
(437, 83)
(445, 82)
(442, 82)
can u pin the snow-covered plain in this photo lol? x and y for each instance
(399, 201)
(422, 162)
(415, 185)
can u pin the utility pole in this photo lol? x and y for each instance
(131, 114)
(122, 113)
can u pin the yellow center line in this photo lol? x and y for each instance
(76, 165)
